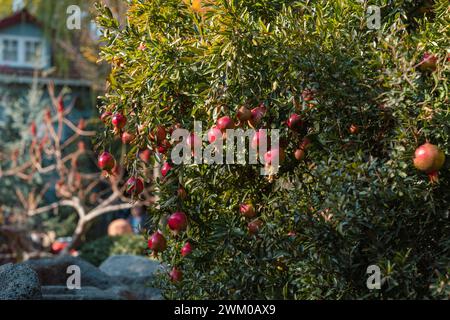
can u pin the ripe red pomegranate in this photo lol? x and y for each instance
(257, 115)
(165, 169)
(271, 155)
(135, 186)
(119, 121)
(157, 242)
(254, 226)
(258, 137)
(429, 159)
(127, 137)
(247, 210)
(295, 122)
(428, 62)
(105, 116)
(176, 275)
(244, 114)
(186, 250)
(225, 123)
(106, 161)
(214, 134)
(145, 155)
(177, 221)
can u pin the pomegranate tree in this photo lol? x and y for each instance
(343, 184)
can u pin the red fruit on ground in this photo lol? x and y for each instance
(106, 161)
(186, 250)
(177, 221)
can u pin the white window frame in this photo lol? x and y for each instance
(21, 62)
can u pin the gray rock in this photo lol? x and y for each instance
(136, 272)
(53, 271)
(19, 282)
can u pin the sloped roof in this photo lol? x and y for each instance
(22, 16)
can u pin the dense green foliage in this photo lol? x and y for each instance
(99, 250)
(355, 201)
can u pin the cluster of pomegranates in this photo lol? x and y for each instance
(429, 158)
(253, 118)
(248, 211)
(106, 161)
(157, 242)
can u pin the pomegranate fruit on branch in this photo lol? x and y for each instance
(429, 158)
